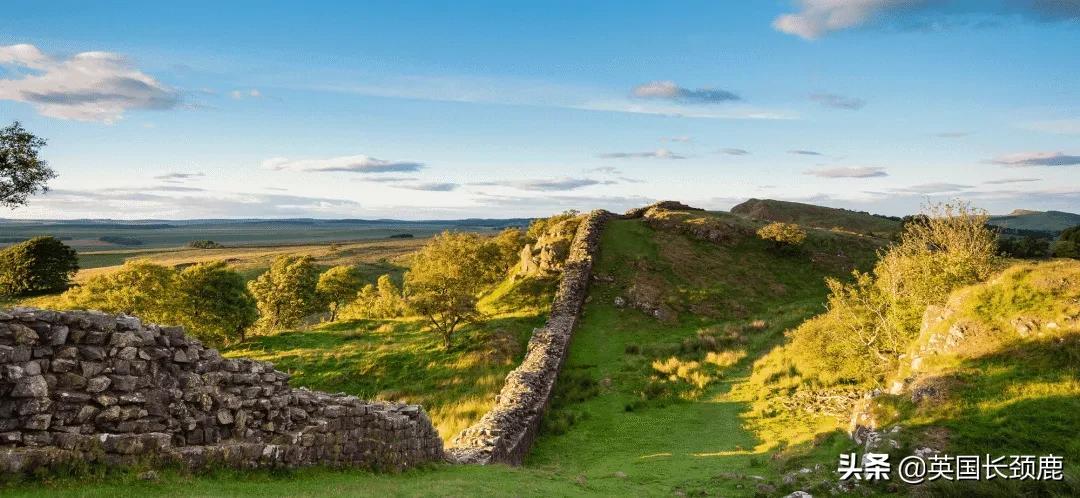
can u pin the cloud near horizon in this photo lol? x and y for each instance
(1026, 159)
(348, 164)
(668, 90)
(859, 172)
(803, 152)
(838, 101)
(655, 154)
(545, 184)
(178, 176)
(88, 86)
(817, 18)
(733, 151)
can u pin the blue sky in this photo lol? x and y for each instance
(456, 109)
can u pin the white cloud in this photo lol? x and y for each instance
(88, 86)
(819, 17)
(668, 90)
(860, 172)
(932, 188)
(546, 184)
(349, 164)
(655, 154)
(243, 94)
(1023, 159)
(838, 101)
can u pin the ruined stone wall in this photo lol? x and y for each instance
(89, 387)
(506, 433)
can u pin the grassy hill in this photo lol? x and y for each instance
(1042, 221)
(818, 216)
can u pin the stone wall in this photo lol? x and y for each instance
(506, 433)
(91, 387)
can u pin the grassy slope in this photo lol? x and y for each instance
(685, 440)
(817, 216)
(1049, 221)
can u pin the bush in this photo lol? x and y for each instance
(1068, 243)
(1026, 247)
(782, 235)
(138, 288)
(204, 244)
(39, 265)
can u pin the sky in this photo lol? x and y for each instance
(440, 110)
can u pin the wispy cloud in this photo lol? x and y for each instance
(1057, 126)
(816, 18)
(1023, 159)
(429, 186)
(88, 86)
(838, 101)
(804, 152)
(856, 172)
(348, 164)
(610, 170)
(668, 90)
(932, 188)
(732, 151)
(682, 139)
(1004, 181)
(655, 154)
(245, 94)
(178, 176)
(546, 184)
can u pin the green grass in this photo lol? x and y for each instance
(617, 426)
(818, 216)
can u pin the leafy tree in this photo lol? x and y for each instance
(138, 288)
(508, 244)
(782, 235)
(339, 285)
(213, 302)
(41, 264)
(287, 292)
(381, 300)
(446, 277)
(22, 173)
(1068, 243)
(1026, 247)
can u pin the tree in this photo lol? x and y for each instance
(22, 173)
(782, 235)
(38, 265)
(338, 286)
(287, 292)
(204, 244)
(508, 244)
(447, 275)
(138, 288)
(388, 302)
(213, 302)
(1068, 243)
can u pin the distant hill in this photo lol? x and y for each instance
(818, 216)
(1042, 221)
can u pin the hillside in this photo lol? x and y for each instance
(1042, 221)
(818, 216)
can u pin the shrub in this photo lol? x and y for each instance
(337, 286)
(287, 292)
(782, 235)
(41, 264)
(1068, 243)
(382, 300)
(138, 288)
(204, 244)
(213, 302)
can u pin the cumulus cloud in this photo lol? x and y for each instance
(838, 101)
(816, 18)
(732, 151)
(88, 86)
(668, 90)
(859, 172)
(656, 154)
(1004, 181)
(348, 164)
(1024, 159)
(803, 152)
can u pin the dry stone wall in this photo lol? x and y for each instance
(90, 387)
(506, 433)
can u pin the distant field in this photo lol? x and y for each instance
(87, 236)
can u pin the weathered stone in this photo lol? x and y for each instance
(31, 387)
(98, 384)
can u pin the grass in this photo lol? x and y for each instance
(819, 217)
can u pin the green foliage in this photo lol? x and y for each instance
(41, 264)
(339, 285)
(1068, 243)
(213, 302)
(287, 293)
(138, 288)
(566, 223)
(210, 300)
(22, 173)
(508, 244)
(1028, 247)
(204, 244)
(382, 300)
(446, 278)
(782, 235)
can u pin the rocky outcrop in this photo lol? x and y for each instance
(506, 433)
(91, 387)
(666, 205)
